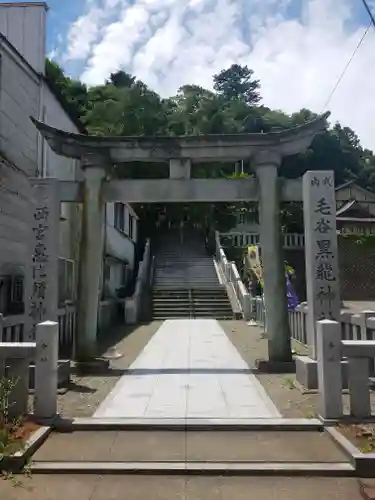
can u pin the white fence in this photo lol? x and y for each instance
(242, 240)
(358, 326)
(331, 349)
(12, 329)
(353, 326)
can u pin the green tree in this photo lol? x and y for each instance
(126, 106)
(121, 79)
(237, 82)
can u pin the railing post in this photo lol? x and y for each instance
(346, 326)
(46, 365)
(360, 320)
(362, 323)
(247, 307)
(329, 369)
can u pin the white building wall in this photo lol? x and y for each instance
(118, 245)
(119, 251)
(24, 26)
(19, 99)
(65, 169)
(23, 94)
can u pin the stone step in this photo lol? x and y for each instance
(171, 307)
(192, 310)
(196, 487)
(209, 297)
(171, 264)
(170, 299)
(191, 277)
(165, 316)
(204, 447)
(187, 277)
(188, 284)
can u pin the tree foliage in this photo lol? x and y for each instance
(237, 84)
(126, 106)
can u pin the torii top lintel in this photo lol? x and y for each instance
(201, 148)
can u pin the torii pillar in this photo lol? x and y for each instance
(91, 257)
(266, 164)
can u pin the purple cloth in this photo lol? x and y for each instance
(291, 295)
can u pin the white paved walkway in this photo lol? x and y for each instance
(189, 369)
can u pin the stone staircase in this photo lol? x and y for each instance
(186, 284)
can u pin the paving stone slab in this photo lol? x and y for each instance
(189, 369)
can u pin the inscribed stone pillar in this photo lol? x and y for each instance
(46, 366)
(41, 277)
(322, 280)
(266, 164)
(91, 259)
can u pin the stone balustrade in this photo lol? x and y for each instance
(258, 310)
(331, 349)
(238, 239)
(15, 359)
(231, 276)
(353, 326)
(12, 329)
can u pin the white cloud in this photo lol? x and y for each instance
(298, 60)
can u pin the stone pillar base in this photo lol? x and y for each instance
(269, 366)
(94, 366)
(307, 373)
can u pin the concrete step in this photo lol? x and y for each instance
(191, 279)
(210, 299)
(181, 284)
(293, 449)
(171, 293)
(170, 300)
(212, 306)
(164, 316)
(169, 306)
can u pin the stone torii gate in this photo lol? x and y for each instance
(101, 155)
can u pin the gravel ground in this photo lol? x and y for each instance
(290, 401)
(86, 393)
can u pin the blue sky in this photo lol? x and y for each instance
(297, 48)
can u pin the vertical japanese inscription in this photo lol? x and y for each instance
(39, 262)
(42, 280)
(321, 249)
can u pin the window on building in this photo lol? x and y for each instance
(119, 221)
(66, 280)
(11, 295)
(107, 271)
(131, 221)
(124, 275)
